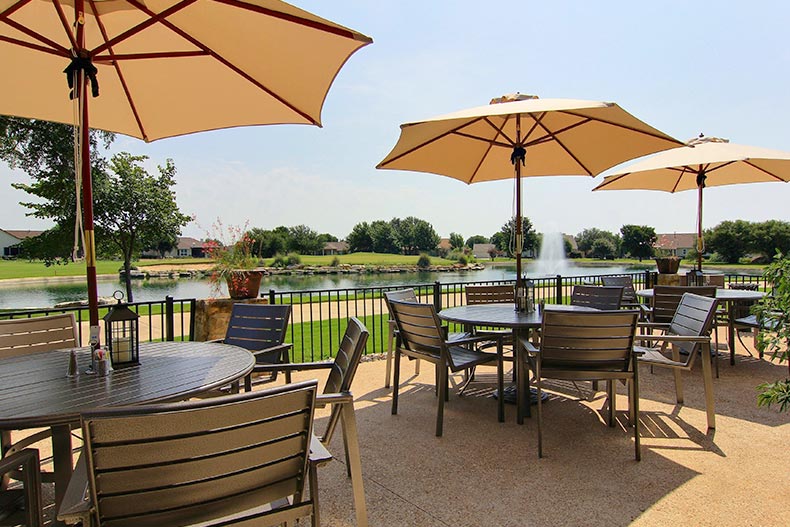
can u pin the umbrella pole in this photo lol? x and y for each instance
(87, 185)
(517, 158)
(700, 242)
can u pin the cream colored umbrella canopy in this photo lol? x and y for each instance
(540, 137)
(161, 68)
(702, 162)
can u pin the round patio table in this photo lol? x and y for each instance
(35, 391)
(505, 316)
(731, 297)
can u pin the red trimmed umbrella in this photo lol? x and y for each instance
(162, 68)
(702, 162)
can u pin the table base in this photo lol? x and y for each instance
(511, 391)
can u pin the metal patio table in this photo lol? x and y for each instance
(35, 391)
(731, 297)
(505, 316)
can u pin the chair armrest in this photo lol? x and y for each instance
(319, 455)
(529, 346)
(325, 399)
(653, 325)
(216, 341)
(471, 339)
(291, 366)
(673, 338)
(272, 350)
(77, 505)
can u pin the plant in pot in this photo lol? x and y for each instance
(234, 263)
(667, 264)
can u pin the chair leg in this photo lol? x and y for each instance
(390, 339)
(395, 382)
(540, 409)
(707, 377)
(354, 463)
(441, 382)
(313, 478)
(633, 408)
(678, 377)
(610, 394)
(500, 380)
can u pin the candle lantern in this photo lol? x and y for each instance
(121, 334)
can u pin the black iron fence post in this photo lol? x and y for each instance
(437, 296)
(559, 289)
(169, 322)
(271, 296)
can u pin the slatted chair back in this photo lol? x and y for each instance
(490, 294)
(402, 295)
(420, 330)
(344, 368)
(199, 461)
(31, 335)
(626, 282)
(257, 326)
(666, 299)
(588, 345)
(693, 317)
(605, 298)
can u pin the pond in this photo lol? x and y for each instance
(47, 294)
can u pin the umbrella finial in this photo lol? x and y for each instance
(512, 97)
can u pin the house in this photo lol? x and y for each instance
(483, 250)
(9, 240)
(334, 248)
(676, 244)
(186, 247)
(444, 245)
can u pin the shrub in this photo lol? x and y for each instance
(335, 262)
(294, 259)
(424, 261)
(279, 260)
(462, 259)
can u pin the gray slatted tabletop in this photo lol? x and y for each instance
(35, 391)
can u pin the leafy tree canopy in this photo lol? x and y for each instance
(507, 236)
(456, 240)
(731, 239)
(477, 238)
(638, 240)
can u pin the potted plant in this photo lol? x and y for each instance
(234, 263)
(667, 264)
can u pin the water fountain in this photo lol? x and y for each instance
(551, 257)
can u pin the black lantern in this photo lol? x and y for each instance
(121, 334)
(529, 287)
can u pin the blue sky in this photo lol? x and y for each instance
(722, 68)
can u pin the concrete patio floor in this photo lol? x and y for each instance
(483, 472)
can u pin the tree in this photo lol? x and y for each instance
(731, 239)
(603, 249)
(304, 240)
(425, 238)
(45, 151)
(586, 239)
(360, 240)
(638, 240)
(508, 238)
(456, 240)
(384, 238)
(139, 209)
(770, 237)
(477, 238)
(266, 243)
(774, 311)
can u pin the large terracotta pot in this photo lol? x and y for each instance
(668, 264)
(244, 284)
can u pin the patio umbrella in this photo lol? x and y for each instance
(703, 161)
(538, 137)
(165, 68)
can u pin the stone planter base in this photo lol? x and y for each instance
(213, 314)
(671, 279)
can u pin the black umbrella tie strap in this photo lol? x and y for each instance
(82, 62)
(519, 154)
(701, 177)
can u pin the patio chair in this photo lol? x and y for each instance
(403, 295)
(261, 329)
(597, 297)
(34, 335)
(243, 459)
(422, 336)
(686, 336)
(587, 346)
(337, 393)
(629, 300)
(22, 506)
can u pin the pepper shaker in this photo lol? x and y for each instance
(72, 371)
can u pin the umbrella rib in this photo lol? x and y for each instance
(482, 139)
(313, 24)
(4, 17)
(65, 23)
(35, 47)
(777, 178)
(160, 18)
(488, 149)
(429, 141)
(554, 137)
(499, 131)
(110, 56)
(618, 125)
(122, 79)
(680, 176)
